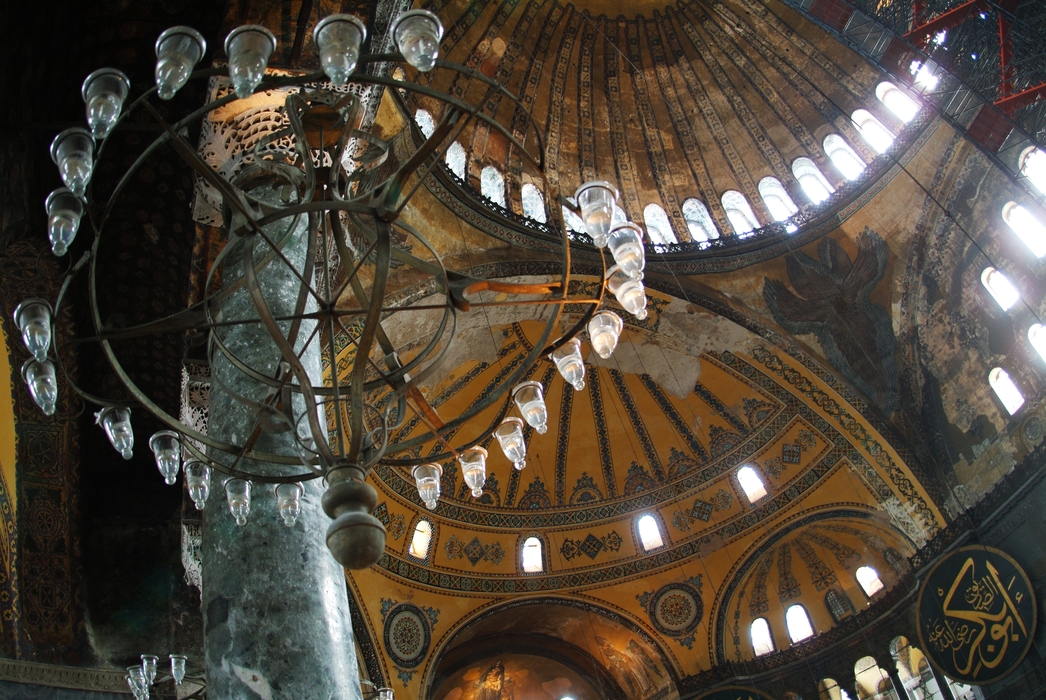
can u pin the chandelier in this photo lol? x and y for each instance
(308, 264)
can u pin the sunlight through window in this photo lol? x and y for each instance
(798, 622)
(1006, 390)
(1000, 287)
(533, 561)
(762, 640)
(869, 580)
(751, 483)
(419, 543)
(649, 533)
(1028, 228)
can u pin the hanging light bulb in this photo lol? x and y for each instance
(530, 400)
(510, 437)
(249, 49)
(198, 482)
(473, 463)
(570, 364)
(238, 496)
(73, 152)
(178, 50)
(43, 384)
(64, 211)
(288, 502)
(418, 33)
(33, 319)
(149, 667)
(339, 38)
(427, 478)
(626, 245)
(167, 449)
(104, 92)
(116, 422)
(629, 292)
(597, 200)
(603, 331)
(178, 668)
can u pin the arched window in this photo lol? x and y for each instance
(776, 198)
(814, 184)
(658, 227)
(872, 130)
(649, 532)
(869, 580)
(699, 221)
(1037, 338)
(843, 157)
(872, 681)
(492, 185)
(1033, 167)
(797, 620)
(1027, 227)
(532, 557)
(753, 486)
(895, 560)
(533, 203)
(762, 640)
(1006, 390)
(455, 159)
(1000, 288)
(904, 107)
(573, 221)
(829, 689)
(425, 122)
(838, 604)
(739, 212)
(422, 539)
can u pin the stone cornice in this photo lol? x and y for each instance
(63, 676)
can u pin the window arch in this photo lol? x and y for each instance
(572, 220)
(1027, 227)
(658, 227)
(699, 221)
(1000, 287)
(1003, 386)
(648, 529)
(739, 212)
(762, 639)
(829, 689)
(420, 546)
(533, 203)
(455, 159)
(532, 555)
(843, 157)
(872, 130)
(751, 483)
(872, 681)
(810, 178)
(869, 580)
(897, 101)
(492, 185)
(797, 620)
(776, 198)
(838, 603)
(425, 122)
(1033, 167)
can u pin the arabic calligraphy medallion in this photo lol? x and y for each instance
(976, 615)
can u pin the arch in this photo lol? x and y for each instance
(838, 603)
(829, 689)
(872, 681)
(869, 580)
(1000, 287)
(751, 483)
(776, 198)
(492, 185)
(739, 212)
(455, 159)
(1033, 167)
(872, 130)
(533, 203)
(810, 178)
(761, 637)
(658, 227)
(897, 101)
(699, 221)
(425, 122)
(797, 621)
(422, 540)
(650, 532)
(532, 555)
(1010, 396)
(843, 157)
(1027, 226)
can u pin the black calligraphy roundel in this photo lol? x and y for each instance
(976, 615)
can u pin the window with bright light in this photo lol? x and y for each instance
(1033, 167)
(1027, 227)
(649, 533)
(797, 620)
(873, 131)
(658, 227)
(739, 213)
(924, 77)
(533, 203)
(573, 221)
(1037, 338)
(776, 198)
(869, 580)
(455, 159)
(699, 221)
(533, 560)
(753, 486)
(419, 543)
(843, 156)
(492, 185)
(810, 178)
(903, 107)
(1003, 386)
(425, 122)
(1000, 287)
(762, 640)
(831, 690)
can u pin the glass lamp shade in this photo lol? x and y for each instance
(473, 463)
(288, 501)
(73, 152)
(149, 667)
(604, 329)
(530, 400)
(178, 668)
(104, 92)
(33, 319)
(418, 33)
(510, 437)
(427, 479)
(43, 384)
(198, 482)
(249, 49)
(167, 449)
(64, 211)
(626, 245)
(116, 422)
(629, 292)
(178, 50)
(570, 363)
(339, 38)
(385, 694)
(137, 682)
(238, 496)
(597, 200)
